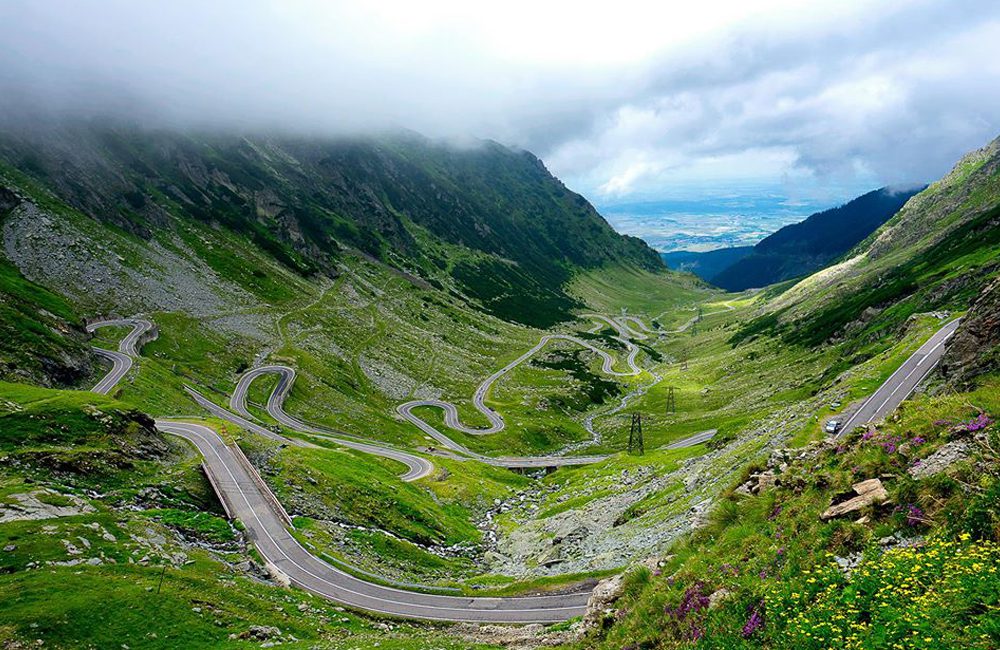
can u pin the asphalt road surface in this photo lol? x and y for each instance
(901, 384)
(416, 467)
(693, 440)
(121, 359)
(246, 500)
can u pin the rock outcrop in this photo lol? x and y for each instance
(41, 504)
(867, 493)
(975, 347)
(599, 607)
(946, 456)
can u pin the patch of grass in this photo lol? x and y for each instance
(55, 499)
(195, 523)
(351, 487)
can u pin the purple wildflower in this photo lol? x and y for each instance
(978, 423)
(914, 515)
(694, 600)
(754, 622)
(730, 569)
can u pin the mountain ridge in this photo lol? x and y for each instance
(490, 218)
(807, 246)
(937, 252)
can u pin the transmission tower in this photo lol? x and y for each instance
(671, 403)
(635, 443)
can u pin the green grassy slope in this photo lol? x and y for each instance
(778, 561)
(150, 563)
(43, 340)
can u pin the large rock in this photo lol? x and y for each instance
(32, 506)
(260, 633)
(718, 597)
(867, 493)
(975, 347)
(605, 594)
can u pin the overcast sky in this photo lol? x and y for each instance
(623, 100)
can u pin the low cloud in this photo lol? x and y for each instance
(621, 99)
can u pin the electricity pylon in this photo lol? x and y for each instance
(635, 443)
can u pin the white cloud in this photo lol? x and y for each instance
(619, 98)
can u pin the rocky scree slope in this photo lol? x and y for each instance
(489, 219)
(974, 350)
(43, 338)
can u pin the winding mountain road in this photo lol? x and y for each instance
(621, 324)
(246, 499)
(121, 359)
(497, 424)
(416, 467)
(419, 467)
(246, 496)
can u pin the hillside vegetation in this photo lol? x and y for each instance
(111, 534)
(767, 571)
(41, 333)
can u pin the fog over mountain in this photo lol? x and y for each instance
(630, 101)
